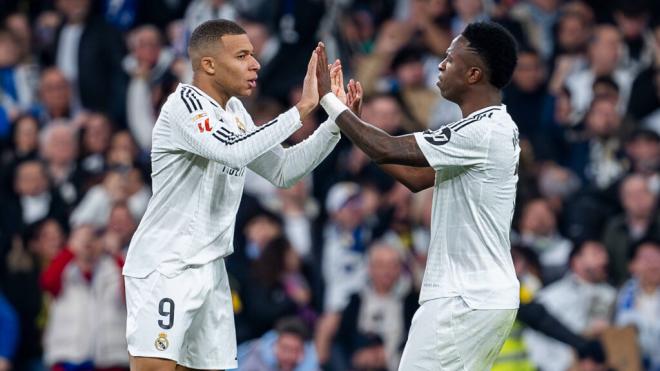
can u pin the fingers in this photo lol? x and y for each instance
(311, 66)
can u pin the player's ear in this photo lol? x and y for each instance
(208, 65)
(474, 75)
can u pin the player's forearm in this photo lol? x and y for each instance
(414, 178)
(285, 169)
(381, 147)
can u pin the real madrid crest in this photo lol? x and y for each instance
(161, 341)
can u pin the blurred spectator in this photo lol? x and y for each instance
(572, 35)
(56, 101)
(87, 316)
(538, 230)
(151, 81)
(298, 210)
(346, 237)
(94, 142)
(88, 51)
(120, 229)
(638, 221)
(10, 331)
(597, 155)
(276, 288)
(644, 102)
(384, 308)
(527, 97)
(17, 81)
(639, 300)
(59, 150)
(119, 185)
(467, 11)
(590, 299)
(200, 11)
(23, 147)
(605, 58)
(32, 199)
(632, 18)
(538, 18)
(285, 348)
(28, 257)
(513, 355)
(643, 150)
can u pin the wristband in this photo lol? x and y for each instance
(332, 106)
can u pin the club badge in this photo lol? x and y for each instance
(161, 342)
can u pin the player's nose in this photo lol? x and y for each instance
(255, 64)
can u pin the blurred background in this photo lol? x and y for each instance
(326, 274)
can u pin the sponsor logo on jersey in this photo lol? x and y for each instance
(161, 342)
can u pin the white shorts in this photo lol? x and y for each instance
(187, 318)
(447, 335)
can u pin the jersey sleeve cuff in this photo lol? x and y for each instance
(332, 106)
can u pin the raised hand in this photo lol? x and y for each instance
(337, 81)
(354, 97)
(322, 71)
(310, 94)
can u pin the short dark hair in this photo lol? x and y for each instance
(635, 246)
(606, 80)
(496, 47)
(210, 31)
(294, 326)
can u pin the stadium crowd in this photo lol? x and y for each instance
(326, 274)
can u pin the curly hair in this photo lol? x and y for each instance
(496, 47)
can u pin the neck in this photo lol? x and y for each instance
(479, 99)
(209, 88)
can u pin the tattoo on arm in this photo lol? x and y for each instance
(381, 147)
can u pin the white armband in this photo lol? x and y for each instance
(332, 106)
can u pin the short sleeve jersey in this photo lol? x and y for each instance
(476, 164)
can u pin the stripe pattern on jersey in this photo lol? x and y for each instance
(458, 125)
(201, 94)
(227, 137)
(190, 99)
(443, 135)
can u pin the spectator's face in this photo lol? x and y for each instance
(645, 154)
(591, 263)
(30, 179)
(605, 50)
(370, 358)
(538, 219)
(74, 10)
(50, 238)
(384, 268)
(122, 149)
(528, 75)
(261, 230)
(603, 119)
(26, 135)
(147, 47)
(467, 8)
(61, 147)
(289, 351)
(637, 199)
(55, 92)
(384, 112)
(646, 265)
(9, 51)
(96, 137)
(572, 34)
(235, 68)
(632, 27)
(563, 108)
(350, 215)
(122, 222)
(546, 5)
(410, 74)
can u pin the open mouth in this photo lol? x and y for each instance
(252, 83)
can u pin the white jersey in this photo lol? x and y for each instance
(476, 163)
(199, 154)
